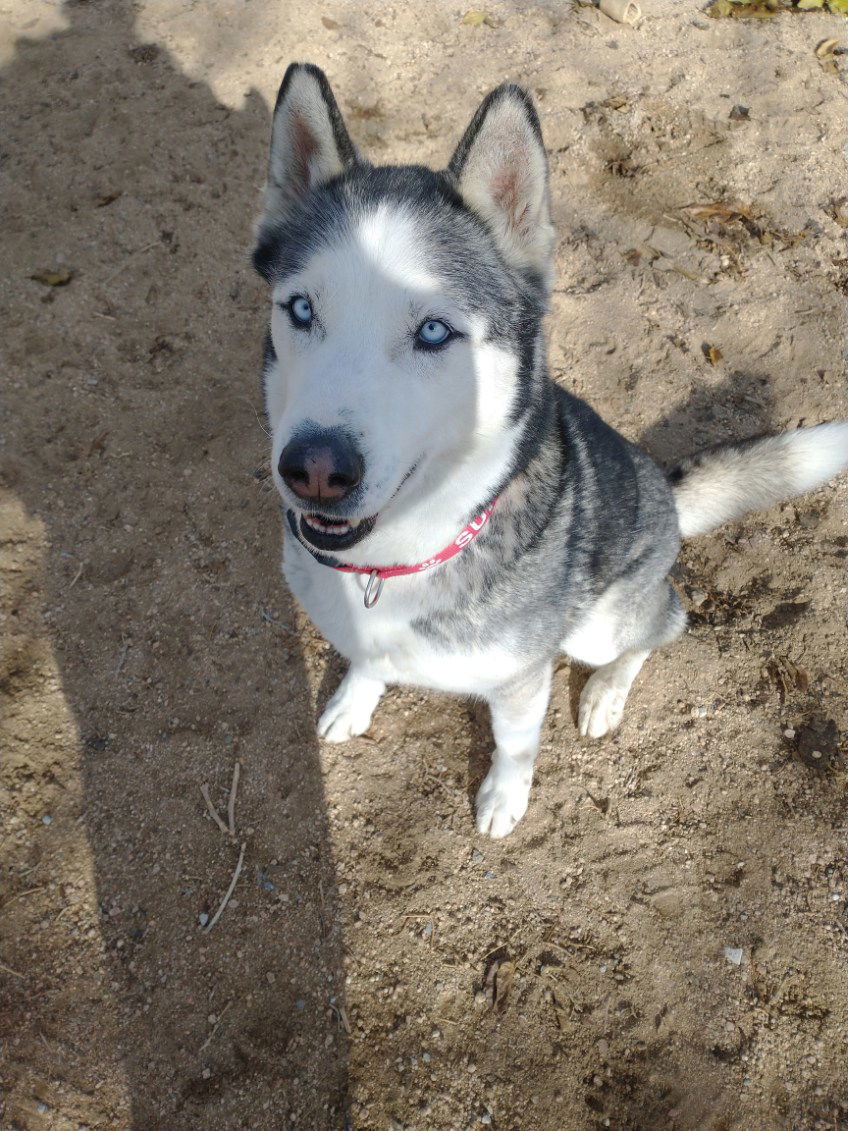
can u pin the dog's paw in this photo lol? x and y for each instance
(601, 706)
(344, 718)
(502, 800)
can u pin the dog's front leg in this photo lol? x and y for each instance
(518, 711)
(350, 710)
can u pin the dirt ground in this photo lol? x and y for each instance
(663, 943)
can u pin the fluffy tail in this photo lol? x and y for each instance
(724, 483)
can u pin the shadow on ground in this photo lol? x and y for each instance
(134, 442)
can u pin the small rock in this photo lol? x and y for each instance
(270, 977)
(47, 819)
(206, 1073)
(203, 918)
(300, 1004)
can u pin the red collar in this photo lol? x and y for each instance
(377, 575)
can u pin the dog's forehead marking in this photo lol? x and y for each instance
(391, 241)
(383, 244)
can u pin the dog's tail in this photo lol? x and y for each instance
(724, 483)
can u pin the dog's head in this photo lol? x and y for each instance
(404, 343)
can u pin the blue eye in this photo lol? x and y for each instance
(300, 312)
(433, 333)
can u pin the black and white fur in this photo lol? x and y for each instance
(576, 555)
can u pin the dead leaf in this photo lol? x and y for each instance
(712, 353)
(826, 48)
(330, 25)
(719, 211)
(108, 198)
(58, 278)
(786, 676)
(743, 9)
(476, 17)
(503, 982)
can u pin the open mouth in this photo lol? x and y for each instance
(326, 533)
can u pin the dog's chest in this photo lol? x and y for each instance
(384, 639)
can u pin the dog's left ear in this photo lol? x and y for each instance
(501, 171)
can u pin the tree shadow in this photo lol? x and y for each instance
(134, 441)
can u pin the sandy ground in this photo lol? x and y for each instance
(379, 965)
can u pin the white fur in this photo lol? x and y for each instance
(378, 641)
(602, 699)
(445, 413)
(732, 481)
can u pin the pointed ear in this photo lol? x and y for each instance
(309, 142)
(501, 171)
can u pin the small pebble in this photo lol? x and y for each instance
(270, 977)
(203, 918)
(206, 1073)
(47, 819)
(300, 1003)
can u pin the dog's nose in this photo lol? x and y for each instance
(321, 465)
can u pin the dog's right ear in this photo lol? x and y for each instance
(309, 142)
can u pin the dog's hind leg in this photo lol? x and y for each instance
(518, 711)
(350, 710)
(647, 626)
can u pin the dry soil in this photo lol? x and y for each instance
(379, 965)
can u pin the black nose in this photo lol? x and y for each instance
(321, 465)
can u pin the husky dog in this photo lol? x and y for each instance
(453, 519)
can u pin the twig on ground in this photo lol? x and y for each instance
(213, 812)
(122, 659)
(77, 575)
(9, 970)
(21, 894)
(208, 1040)
(230, 890)
(231, 803)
